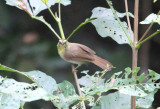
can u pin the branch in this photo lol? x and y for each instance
(82, 24)
(128, 20)
(77, 84)
(149, 37)
(58, 20)
(134, 50)
(48, 25)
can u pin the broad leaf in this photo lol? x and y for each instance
(123, 101)
(126, 85)
(88, 80)
(35, 6)
(67, 95)
(23, 91)
(8, 102)
(38, 77)
(107, 25)
(43, 80)
(152, 18)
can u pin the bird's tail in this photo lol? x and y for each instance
(102, 63)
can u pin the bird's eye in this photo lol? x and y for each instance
(64, 43)
(60, 43)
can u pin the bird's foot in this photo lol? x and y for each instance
(74, 70)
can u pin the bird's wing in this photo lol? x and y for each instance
(78, 52)
(87, 49)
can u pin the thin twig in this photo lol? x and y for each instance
(57, 19)
(48, 25)
(143, 36)
(136, 8)
(77, 84)
(149, 37)
(79, 26)
(128, 20)
(150, 26)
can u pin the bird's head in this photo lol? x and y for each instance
(62, 44)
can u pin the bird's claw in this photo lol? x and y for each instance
(74, 71)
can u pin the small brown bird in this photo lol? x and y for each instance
(80, 54)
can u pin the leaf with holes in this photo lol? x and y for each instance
(23, 91)
(43, 80)
(38, 77)
(8, 102)
(67, 95)
(122, 101)
(126, 85)
(107, 25)
(152, 18)
(34, 7)
(88, 80)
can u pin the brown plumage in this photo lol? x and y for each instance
(80, 54)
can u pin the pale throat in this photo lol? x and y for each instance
(61, 49)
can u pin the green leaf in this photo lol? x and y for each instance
(126, 84)
(45, 1)
(146, 101)
(88, 80)
(5, 68)
(122, 101)
(107, 25)
(67, 96)
(8, 102)
(23, 91)
(36, 5)
(67, 88)
(38, 77)
(152, 18)
(43, 80)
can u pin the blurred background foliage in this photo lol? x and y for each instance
(26, 44)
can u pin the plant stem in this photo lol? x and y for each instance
(149, 37)
(16, 71)
(143, 36)
(128, 20)
(48, 25)
(58, 20)
(150, 26)
(134, 65)
(82, 24)
(115, 14)
(78, 86)
(51, 12)
(134, 50)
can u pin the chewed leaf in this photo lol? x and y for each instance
(43, 80)
(146, 101)
(107, 25)
(152, 18)
(35, 6)
(8, 102)
(67, 96)
(38, 77)
(122, 101)
(23, 91)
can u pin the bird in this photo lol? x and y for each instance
(79, 54)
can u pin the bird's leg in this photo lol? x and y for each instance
(74, 71)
